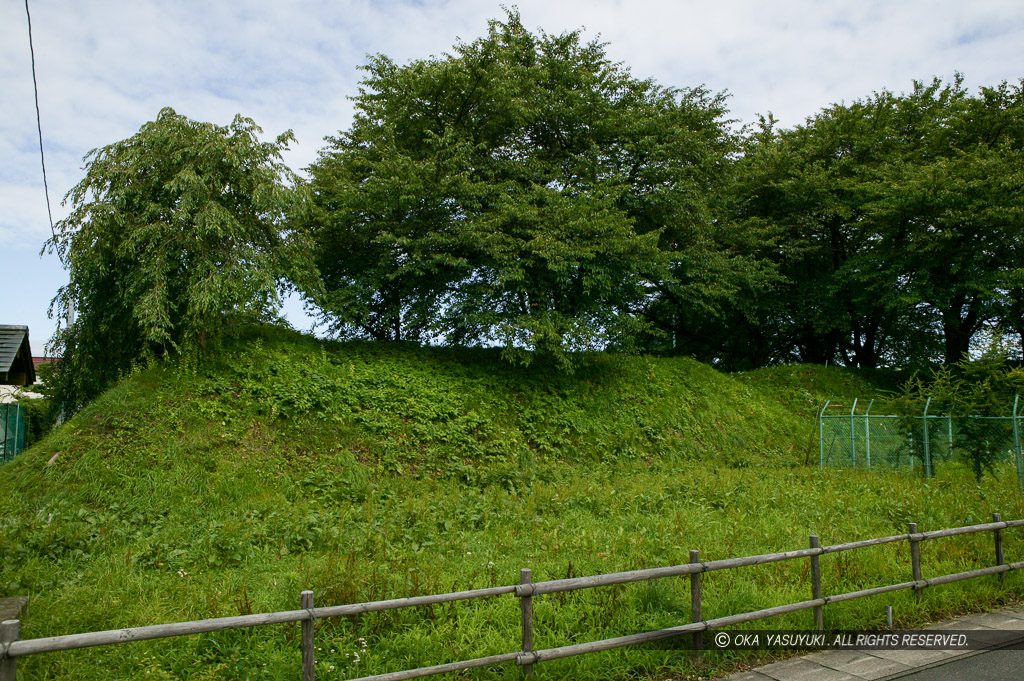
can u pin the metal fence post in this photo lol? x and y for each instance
(821, 434)
(819, 611)
(867, 434)
(915, 558)
(910, 439)
(19, 429)
(853, 434)
(10, 631)
(526, 611)
(949, 435)
(3, 434)
(308, 651)
(23, 419)
(695, 609)
(1016, 443)
(927, 444)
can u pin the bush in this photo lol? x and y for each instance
(39, 419)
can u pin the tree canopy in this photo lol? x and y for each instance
(522, 191)
(174, 233)
(525, 191)
(899, 222)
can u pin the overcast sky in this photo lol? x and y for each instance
(105, 67)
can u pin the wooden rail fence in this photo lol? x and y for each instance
(13, 647)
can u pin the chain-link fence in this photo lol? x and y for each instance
(855, 436)
(12, 426)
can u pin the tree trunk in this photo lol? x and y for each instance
(960, 321)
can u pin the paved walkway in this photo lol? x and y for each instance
(881, 665)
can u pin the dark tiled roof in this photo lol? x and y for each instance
(11, 340)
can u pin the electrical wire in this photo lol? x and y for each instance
(39, 124)
(70, 318)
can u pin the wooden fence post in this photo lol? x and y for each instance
(10, 631)
(308, 651)
(819, 611)
(526, 611)
(695, 609)
(915, 558)
(998, 533)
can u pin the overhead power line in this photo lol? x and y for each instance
(39, 124)
(70, 317)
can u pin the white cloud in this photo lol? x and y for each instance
(107, 66)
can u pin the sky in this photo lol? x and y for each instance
(105, 67)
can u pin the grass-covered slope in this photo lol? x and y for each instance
(363, 472)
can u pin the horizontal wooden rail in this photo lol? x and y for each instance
(53, 644)
(102, 638)
(577, 583)
(949, 579)
(970, 529)
(376, 606)
(731, 620)
(11, 649)
(661, 634)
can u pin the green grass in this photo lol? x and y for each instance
(364, 472)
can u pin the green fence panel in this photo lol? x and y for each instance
(848, 439)
(12, 427)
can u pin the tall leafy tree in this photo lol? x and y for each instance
(898, 220)
(174, 234)
(953, 199)
(808, 186)
(522, 191)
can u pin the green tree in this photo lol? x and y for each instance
(174, 234)
(982, 387)
(952, 203)
(1012, 314)
(897, 220)
(523, 191)
(841, 299)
